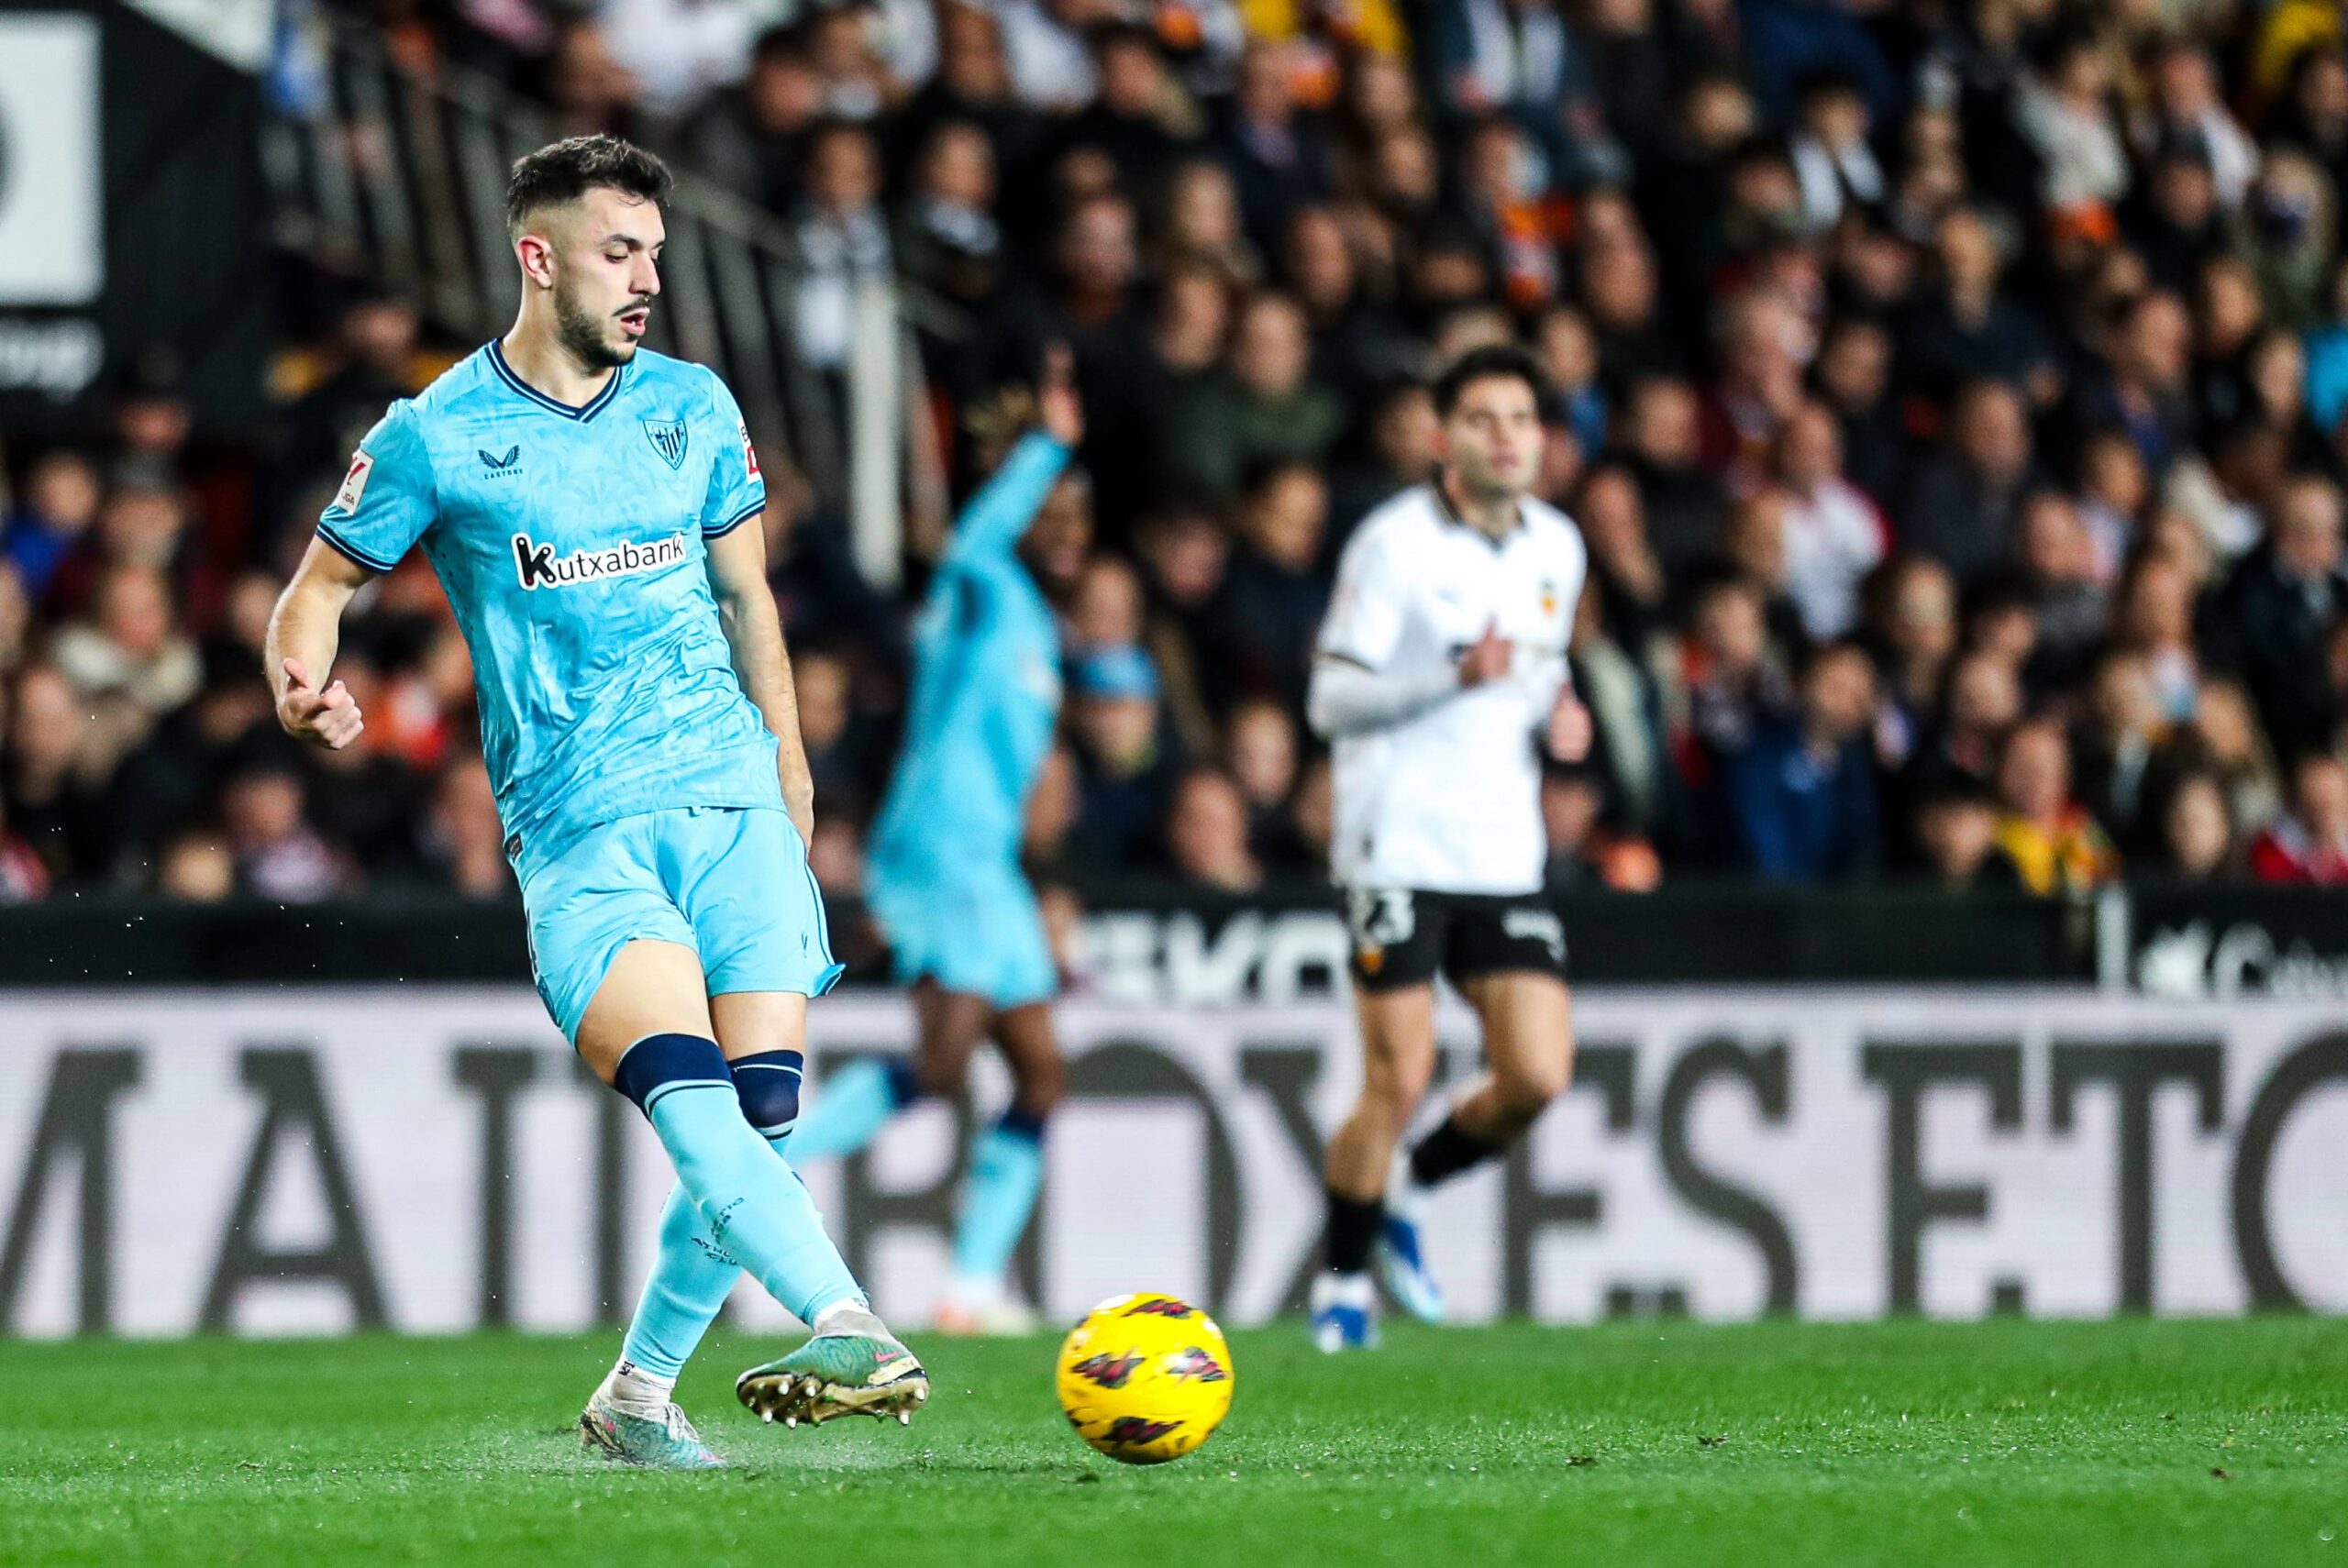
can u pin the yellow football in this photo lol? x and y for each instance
(1144, 1378)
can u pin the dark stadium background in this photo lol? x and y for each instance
(2005, 339)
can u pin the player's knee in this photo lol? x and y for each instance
(767, 1087)
(1388, 1099)
(1527, 1088)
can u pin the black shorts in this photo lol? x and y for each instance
(1405, 936)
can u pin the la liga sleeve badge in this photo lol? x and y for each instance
(354, 483)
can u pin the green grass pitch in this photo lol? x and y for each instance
(2004, 1443)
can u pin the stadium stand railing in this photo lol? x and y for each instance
(397, 175)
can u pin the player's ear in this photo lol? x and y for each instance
(535, 252)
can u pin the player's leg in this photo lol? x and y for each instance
(762, 1035)
(1006, 957)
(741, 878)
(649, 1035)
(1529, 1052)
(1398, 1059)
(1005, 1174)
(1398, 944)
(852, 1353)
(926, 924)
(1507, 957)
(605, 935)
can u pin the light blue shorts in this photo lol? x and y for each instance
(976, 931)
(733, 885)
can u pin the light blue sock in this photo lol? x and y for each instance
(692, 1274)
(1006, 1172)
(855, 1104)
(754, 1204)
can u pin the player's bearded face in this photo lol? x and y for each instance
(606, 274)
(1493, 439)
(591, 332)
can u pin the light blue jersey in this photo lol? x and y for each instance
(986, 685)
(571, 545)
(944, 880)
(636, 780)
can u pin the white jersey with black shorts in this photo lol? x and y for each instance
(1438, 846)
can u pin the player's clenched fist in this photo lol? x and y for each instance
(1487, 658)
(1570, 730)
(328, 718)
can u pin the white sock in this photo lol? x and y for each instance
(633, 1391)
(979, 1295)
(851, 1316)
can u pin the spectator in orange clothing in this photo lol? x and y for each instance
(2309, 846)
(2054, 842)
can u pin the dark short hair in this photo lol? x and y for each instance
(563, 171)
(1493, 361)
(1106, 36)
(780, 41)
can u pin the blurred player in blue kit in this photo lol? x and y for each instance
(592, 510)
(944, 880)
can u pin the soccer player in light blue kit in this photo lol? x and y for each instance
(592, 510)
(943, 878)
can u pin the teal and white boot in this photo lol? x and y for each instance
(669, 1443)
(853, 1366)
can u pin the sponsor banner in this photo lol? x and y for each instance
(52, 249)
(2229, 942)
(133, 212)
(312, 1161)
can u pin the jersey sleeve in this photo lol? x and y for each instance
(1367, 610)
(737, 491)
(386, 500)
(996, 519)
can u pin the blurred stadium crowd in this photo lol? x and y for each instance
(1951, 394)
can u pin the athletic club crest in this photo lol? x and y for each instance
(667, 439)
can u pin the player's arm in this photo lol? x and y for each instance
(305, 632)
(1357, 683)
(1347, 698)
(990, 526)
(1566, 729)
(732, 529)
(737, 578)
(384, 505)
